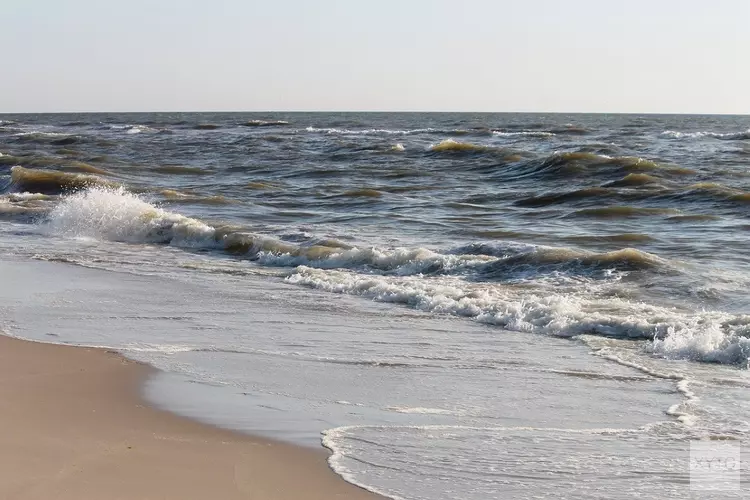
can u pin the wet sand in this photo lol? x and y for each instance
(75, 427)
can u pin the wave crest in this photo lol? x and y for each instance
(727, 136)
(51, 182)
(451, 146)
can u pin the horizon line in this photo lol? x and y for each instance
(651, 113)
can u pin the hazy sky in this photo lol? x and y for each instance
(433, 55)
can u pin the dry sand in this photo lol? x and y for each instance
(73, 426)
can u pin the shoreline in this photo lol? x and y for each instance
(82, 430)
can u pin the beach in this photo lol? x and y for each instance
(75, 427)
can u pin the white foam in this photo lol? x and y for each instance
(157, 348)
(132, 128)
(40, 133)
(263, 123)
(400, 261)
(726, 339)
(137, 129)
(371, 131)
(674, 134)
(558, 314)
(16, 197)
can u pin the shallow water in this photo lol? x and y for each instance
(428, 289)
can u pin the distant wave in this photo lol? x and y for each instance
(133, 128)
(54, 138)
(728, 136)
(383, 131)
(206, 126)
(265, 123)
(50, 161)
(523, 133)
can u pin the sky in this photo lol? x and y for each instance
(636, 56)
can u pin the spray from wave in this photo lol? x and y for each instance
(117, 215)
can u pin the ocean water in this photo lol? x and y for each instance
(461, 306)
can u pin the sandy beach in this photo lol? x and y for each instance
(75, 427)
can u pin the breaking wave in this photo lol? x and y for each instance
(133, 128)
(115, 214)
(265, 123)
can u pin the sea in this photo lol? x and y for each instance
(458, 306)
